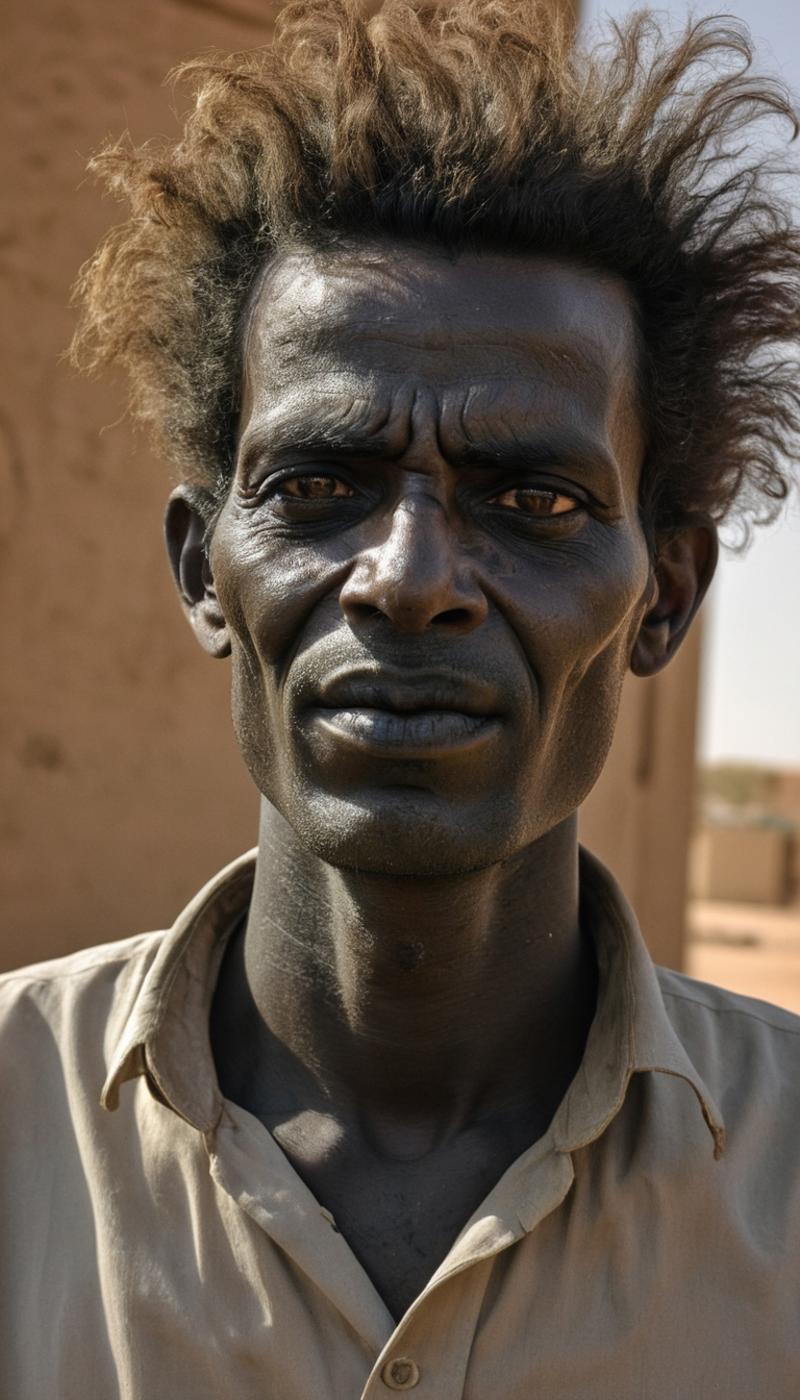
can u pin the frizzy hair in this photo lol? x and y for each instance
(474, 126)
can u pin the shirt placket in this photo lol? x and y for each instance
(428, 1352)
(247, 1163)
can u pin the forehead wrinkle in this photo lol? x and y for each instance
(388, 281)
(326, 316)
(331, 339)
(345, 422)
(306, 338)
(389, 422)
(334, 327)
(510, 411)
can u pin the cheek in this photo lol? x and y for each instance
(591, 605)
(576, 610)
(611, 606)
(270, 593)
(602, 633)
(268, 588)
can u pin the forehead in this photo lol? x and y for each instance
(365, 320)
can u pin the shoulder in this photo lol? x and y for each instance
(86, 963)
(85, 995)
(747, 1051)
(725, 1015)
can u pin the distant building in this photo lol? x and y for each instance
(747, 845)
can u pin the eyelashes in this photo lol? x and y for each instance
(541, 502)
(319, 487)
(317, 495)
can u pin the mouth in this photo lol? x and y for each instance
(414, 715)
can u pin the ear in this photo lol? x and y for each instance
(185, 530)
(683, 569)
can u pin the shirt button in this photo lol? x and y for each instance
(400, 1374)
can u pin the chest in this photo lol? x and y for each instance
(400, 1218)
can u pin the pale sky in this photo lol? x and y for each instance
(750, 703)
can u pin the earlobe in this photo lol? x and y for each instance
(185, 531)
(684, 567)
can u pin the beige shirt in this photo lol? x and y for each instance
(161, 1247)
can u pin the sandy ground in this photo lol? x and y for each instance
(749, 948)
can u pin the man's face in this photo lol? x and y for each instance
(430, 559)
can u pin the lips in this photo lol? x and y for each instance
(422, 691)
(415, 713)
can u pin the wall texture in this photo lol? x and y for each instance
(122, 788)
(639, 817)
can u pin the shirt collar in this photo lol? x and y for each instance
(631, 1032)
(166, 1036)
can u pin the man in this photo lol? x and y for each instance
(463, 344)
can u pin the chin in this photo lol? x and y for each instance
(404, 834)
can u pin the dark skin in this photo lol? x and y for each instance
(432, 578)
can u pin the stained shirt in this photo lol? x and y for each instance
(156, 1243)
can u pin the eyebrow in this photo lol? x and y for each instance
(548, 446)
(540, 448)
(557, 449)
(290, 436)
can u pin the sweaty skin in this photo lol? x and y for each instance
(432, 577)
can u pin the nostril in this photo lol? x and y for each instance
(452, 617)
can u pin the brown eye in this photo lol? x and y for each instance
(537, 501)
(315, 488)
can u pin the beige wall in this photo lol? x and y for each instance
(639, 817)
(122, 788)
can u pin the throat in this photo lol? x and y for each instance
(405, 1042)
(415, 1008)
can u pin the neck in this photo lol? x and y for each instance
(417, 1005)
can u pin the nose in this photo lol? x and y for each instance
(416, 577)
